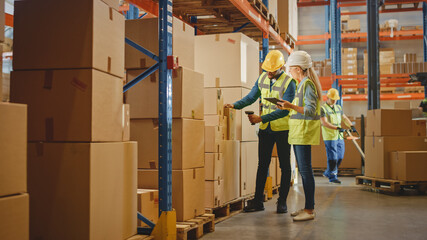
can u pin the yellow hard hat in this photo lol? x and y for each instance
(333, 94)
(273, 61)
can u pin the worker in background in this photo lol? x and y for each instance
(304, 124)
(274, 128)
(423, 106)
(331, 115)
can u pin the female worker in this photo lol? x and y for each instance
(304, 124)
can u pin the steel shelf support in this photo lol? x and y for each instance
(265, 42)
(133, 12)
(141, 77)
(241, 27)
(425, 39)
(327, 41)
(373, 55)
(142, 49)
(193, 19)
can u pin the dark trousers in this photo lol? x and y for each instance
(303, 155)
(267, 139)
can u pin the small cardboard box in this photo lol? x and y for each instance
(408, 165)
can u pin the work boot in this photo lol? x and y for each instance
(253, 206)
(304, 216)
(335, 181)
(281, 206)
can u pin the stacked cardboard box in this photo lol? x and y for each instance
(230, 63)
(409, 67)
(408, 165)
(349, 61)
(323, 68)
(384, 137)
(76, 169)
(188, 136)
(14, 201)
(2, 23)
(387, 59)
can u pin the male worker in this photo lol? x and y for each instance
(331, 116)
(423, 106)
(274, 128)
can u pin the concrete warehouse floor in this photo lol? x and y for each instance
(343, 212)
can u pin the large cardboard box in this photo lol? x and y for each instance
(231, 153)
(82, 190)
(214, 101)
(188, 190)
(148, 205)
(14, 217)
(145, 32)
(91, 31)
(408, 165)
(187, 100)
(419, 127)
(248, 167)
(70, 105)
(213, 137)
(389, 122)
(214, 193)
(187, 142)
(244, 130)
(227, 60)
(214, 166)
(13, 148)
(378, 149)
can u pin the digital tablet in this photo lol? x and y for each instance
(272, 100)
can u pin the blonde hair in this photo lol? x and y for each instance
(312, 75)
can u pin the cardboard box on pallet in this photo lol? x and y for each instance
(231, 153)
(214, 193)
(93, 39)
(234, 55)
(70, 105)
(145, 32)
(14, 217)
(187, 142)
(214, 101)
(186, 98)
(214, 166)
(13, 148)
(188, 190)
(389, 122)
(148, 205)
(408, 165)
(95, 190)
(244, 130)
(248, 167)
(378, 149)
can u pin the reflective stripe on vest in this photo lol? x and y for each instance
(334, 116)
(277, 91)
(304, 130)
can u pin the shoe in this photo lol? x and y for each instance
(294, 214)
(326, 175)
(335, 181)
(304, 216)
(253, 206)
(281, 206)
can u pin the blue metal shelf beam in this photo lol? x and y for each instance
(165, 107)
(265, 41)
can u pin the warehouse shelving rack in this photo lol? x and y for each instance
(165, 9)
(334, 39)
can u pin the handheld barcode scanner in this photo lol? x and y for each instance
(250, 113)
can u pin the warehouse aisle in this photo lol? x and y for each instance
(343, 212)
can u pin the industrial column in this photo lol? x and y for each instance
(373, 56)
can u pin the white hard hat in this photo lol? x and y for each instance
(299, 58)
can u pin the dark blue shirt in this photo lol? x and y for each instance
(255, 93)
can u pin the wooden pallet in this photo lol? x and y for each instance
(141, 237)
(195, 228)
(350, 31)
(393, 187)
(410, 28)
(260, 7)
(345, 172)
(229, 209)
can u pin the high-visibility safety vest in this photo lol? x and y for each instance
(334, 116)
(277, 91)
(304, 130)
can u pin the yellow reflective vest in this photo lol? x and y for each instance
(304, 129)
(277, 91)
(334, 115)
